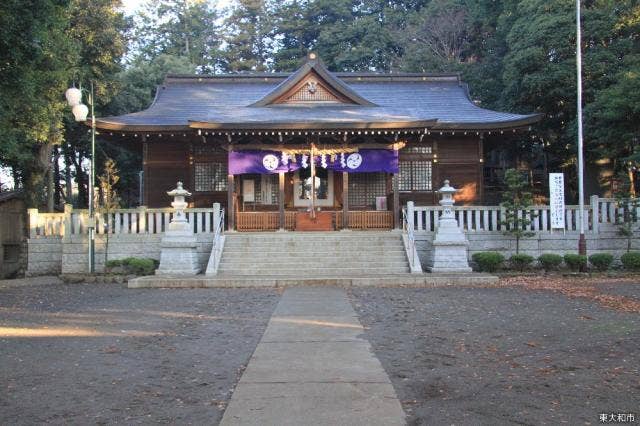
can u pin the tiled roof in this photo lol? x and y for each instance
(395, 101)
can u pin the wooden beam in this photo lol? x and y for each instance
(396, 200)
(231, 216)
(281, 177)
(345, 200)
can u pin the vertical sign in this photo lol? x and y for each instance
(556, 200)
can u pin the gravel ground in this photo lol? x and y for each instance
(491, 356)
(103, 354)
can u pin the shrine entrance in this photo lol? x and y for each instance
(309, 188)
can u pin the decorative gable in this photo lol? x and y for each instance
(312, 84)
(311, 89)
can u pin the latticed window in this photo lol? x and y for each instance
(415, 176)
(417, 149)
(365, 187)
(211, 176)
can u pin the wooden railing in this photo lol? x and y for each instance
(270, 221)
(598, 212)
(366, 220)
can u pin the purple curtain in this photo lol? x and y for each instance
(266, 162)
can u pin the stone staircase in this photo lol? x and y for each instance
(313, 254)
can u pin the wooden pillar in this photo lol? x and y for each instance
(345, 200)
(281, 199)
(396, 200)
(145, 172)
(231, 210)
(480, 199)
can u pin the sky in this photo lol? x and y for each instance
(130, 6)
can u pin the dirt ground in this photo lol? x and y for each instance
(512, 355)
(103, 354)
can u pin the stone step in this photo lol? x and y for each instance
(311, 272)
(315, 246)
(235, 263)
(310, 257)
(313, 251)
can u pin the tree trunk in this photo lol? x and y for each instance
(67, 177)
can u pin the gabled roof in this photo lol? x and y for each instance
(358, 100)
(313, 67)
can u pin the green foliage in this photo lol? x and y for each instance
(631, 261)
(601, 261)
(550, 261)
(488, 261)
(179, 28)
(114, 263)
(575, 262)
(135, 265)
(515, 200)
(520, 262)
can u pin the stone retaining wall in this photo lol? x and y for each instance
(606, 241)
(55, 255)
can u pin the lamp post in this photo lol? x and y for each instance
(582, 243)
(80, 112)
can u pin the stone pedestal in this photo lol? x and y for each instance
(178, 249)
(450, 244)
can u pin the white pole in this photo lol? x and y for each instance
(582, 248)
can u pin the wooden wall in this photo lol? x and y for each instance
(454, 157)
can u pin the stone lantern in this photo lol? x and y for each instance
(449, 252)
(178, 249)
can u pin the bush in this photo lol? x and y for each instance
(601, 261)
(631, 261)
(520, 262)
(488, 261)
(575, 262)
(550, 261)
(114, 263)
(133, 265)
(139, 266)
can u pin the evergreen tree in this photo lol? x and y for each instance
(186, 28)
(517, 199)
(36, 56)
(248, 36)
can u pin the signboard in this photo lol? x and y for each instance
(556, 200)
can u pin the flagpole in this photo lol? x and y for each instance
(582, 243)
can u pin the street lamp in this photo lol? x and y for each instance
(80, 112)
(582, 242)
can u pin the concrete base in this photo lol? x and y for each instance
(400, 280)
(178, 252)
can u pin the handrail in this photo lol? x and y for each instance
(217, 247)
(407, 227)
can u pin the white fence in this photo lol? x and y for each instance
(487, 218)
(122, 221)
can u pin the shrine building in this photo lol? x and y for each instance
(312, 150)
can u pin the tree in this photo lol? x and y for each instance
(36, 56)
(516, 200)
(99, 33)
(109, 198)
(248, 43)
(435, 38)
(182, 28)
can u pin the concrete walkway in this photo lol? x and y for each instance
(312, 368)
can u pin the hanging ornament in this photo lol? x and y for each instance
(323, 161)
(333, 158)
(304, 163)
(343, 163)
(285, 158)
